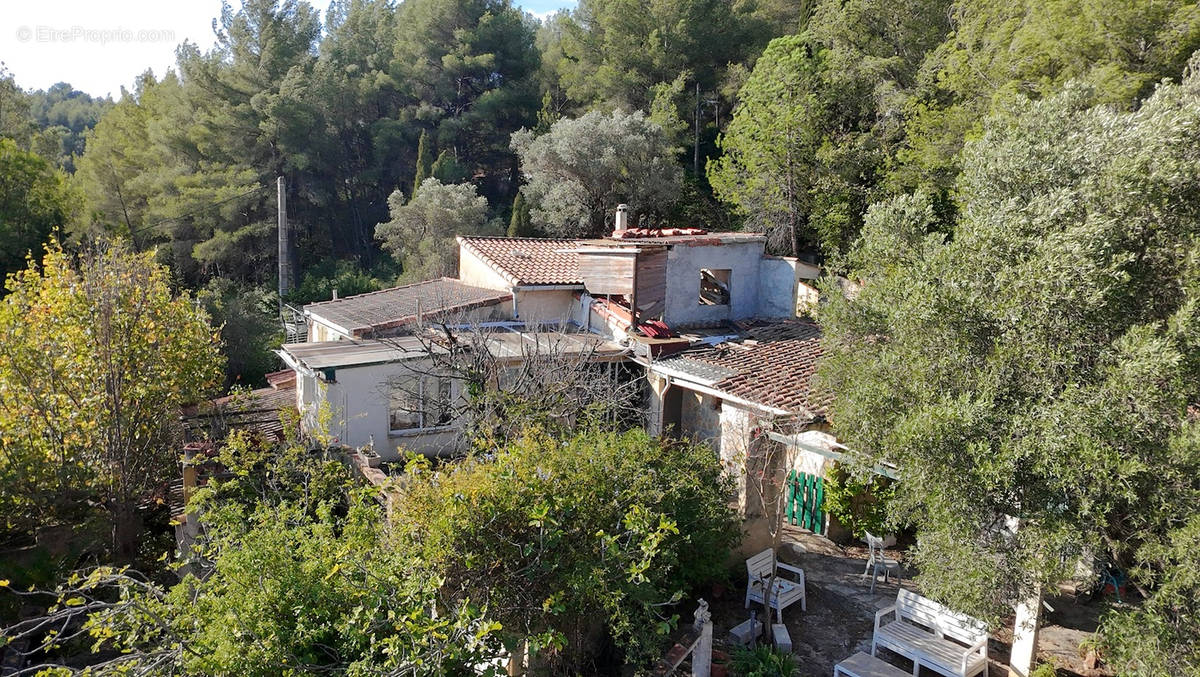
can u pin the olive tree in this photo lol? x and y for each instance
(580, 170)
(1034, 369)
(421, 232)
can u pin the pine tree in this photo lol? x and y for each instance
(448, 169)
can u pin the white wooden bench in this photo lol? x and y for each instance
(932, 635)
(863, 665)
(784, 592)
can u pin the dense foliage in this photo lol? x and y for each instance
(293, 571)
(859, 504)
(566, 543)
(579, 171)
(34, 201)
(96, 357)
(1030, 376)
(1161, 636)
(569, 540)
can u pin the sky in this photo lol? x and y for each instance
(99, 47)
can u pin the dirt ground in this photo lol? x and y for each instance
(841, 612)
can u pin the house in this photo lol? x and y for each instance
(711, 320)
(745, 391)
(397, 394)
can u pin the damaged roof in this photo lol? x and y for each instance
(364, 314)
(528, 261)
(254, 410)
(772, 365)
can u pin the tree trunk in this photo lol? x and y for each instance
(126, 531)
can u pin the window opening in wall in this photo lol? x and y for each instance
(714, 286)
(420, 402)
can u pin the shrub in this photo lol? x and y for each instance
(762, 661)
(567, 541)
(859, 504)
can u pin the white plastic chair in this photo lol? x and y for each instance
(877, 559)
(784, 591)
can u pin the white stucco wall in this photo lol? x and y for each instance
(737, 427)
(472, 270)
(358, 401)
(545, 307)
(321, 332)
(811, 462)
(684, 263)
(777, 281)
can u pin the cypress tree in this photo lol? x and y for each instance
(519, 225)
(424, 161)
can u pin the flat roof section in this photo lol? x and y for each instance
(507, 345)
(362, 314)
(319, 355)
(517, 345)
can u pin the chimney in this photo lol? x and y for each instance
(622, 222)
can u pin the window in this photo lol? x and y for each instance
(714, 286)
(420, 402)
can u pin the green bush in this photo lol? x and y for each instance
(1044, 670)
(1160, 636)
(347, 277)
(859, 504)
(566, 541)
(762, 661)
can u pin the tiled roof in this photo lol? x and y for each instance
(531, 261)
(376, 311)
(255, 410)
(773, 366)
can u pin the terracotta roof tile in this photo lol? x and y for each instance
(773, 366)
(377, 311)
(531, 261)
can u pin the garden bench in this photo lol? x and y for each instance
(932, 635)
(865, 665)
(784, 592)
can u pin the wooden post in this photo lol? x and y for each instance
(696, 141)
(1026, 627)
(285, 241)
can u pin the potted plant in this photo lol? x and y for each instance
(374, 460)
